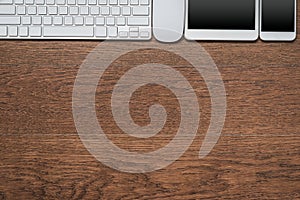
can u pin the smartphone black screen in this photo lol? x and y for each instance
(278, 16)
(221, 14)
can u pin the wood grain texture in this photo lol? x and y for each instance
(257, 156)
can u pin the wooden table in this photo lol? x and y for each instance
(257, 156)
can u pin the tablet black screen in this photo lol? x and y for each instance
(221, 14)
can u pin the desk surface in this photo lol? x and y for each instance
(257, 156)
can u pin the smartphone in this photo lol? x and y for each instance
(278, 20)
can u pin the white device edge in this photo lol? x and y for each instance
(277, 36)
(219, 34)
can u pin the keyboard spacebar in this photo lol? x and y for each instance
(68, 31)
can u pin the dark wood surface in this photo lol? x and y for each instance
(257, 156)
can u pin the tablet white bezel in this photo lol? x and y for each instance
(218, 34)
(277, 36)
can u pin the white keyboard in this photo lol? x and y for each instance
(75, 19)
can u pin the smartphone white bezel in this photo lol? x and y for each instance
(217, 34)
(277, 36)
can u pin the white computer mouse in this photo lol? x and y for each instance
(168, 20)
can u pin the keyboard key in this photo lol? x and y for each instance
(92, 2)
(100, 21)
(121, 21)
(74, 10)
(50, 2)
(110, 21)
(115, 11)
(40, 2)
(134, 34)
(68, 31)
(95, 10)
(13, 31)
(134, 29)
(58, 20)
(3, 31)
(42, 10)
(81, 2)
(138, 21)
(26, 20)
(71, 2)
(123, 34)
(144, 2)
(52, 10)
(105, 10)
(23, 31)
(63, 10)
(7, 10)
(84, 10)
(10, 20)
(36, 20)
(29, 2)
(123, 2)
(6, 2)
(21, 10)
(113, 2)
(100, 31)
(35, 31)
(140, 10)
(112, 31)
(60, 2)
(47, 20)
(78, 20)
(126, 11)
(31, 10)
(18, 2)
(89, 21)
(134, 2)
(145, 34)
(102, 2)
(68, 20)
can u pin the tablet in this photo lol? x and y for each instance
(222, 20)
